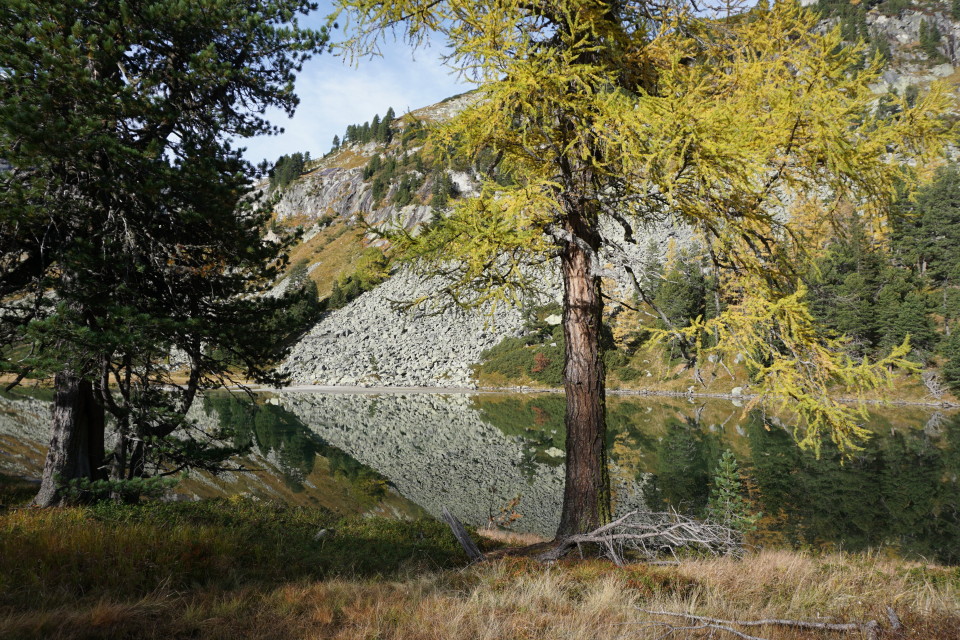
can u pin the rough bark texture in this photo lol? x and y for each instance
(76, 444)
(586, 496)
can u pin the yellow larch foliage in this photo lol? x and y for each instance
(725, 121)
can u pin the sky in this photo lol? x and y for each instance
(334, 93)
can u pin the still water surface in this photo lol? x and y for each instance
(499, 457)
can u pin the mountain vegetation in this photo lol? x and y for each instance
(288, 168)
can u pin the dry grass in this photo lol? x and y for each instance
(510, 538)
(518, 598)
(334, 250)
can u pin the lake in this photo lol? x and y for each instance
(498, 458)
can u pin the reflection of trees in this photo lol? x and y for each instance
(274, 430)
(685, 459)
(537, 421)
(902, 490)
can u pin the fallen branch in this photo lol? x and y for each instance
(460, 533)
(671, 629)
(870, 628)
(649, 535)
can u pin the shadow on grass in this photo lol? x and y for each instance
(63, 557)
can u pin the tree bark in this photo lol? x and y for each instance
(586, 495)
(76, 444)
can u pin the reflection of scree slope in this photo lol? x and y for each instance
(437, 451)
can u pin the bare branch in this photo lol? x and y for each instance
(640, 536)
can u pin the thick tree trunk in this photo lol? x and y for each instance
(586, 496)
(76, 444)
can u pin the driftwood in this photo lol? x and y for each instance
(870, 629)
(645, 536)
(460, 533)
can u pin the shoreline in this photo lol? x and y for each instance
(653, 393)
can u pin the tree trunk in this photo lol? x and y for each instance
(586, 495)
(76, 444)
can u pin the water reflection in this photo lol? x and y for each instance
(901, 491)
(401, 453)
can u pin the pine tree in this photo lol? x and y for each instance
(951, 369)
(124, 233)
(682, 292)
(930, 39)
(846, 286)
(727, 504)
(927, 236)
(385, 134)
(336, 142)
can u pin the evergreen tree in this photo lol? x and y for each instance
(372, 167)
(927, 237)
(385, 133)
(124, 234)
(951, 369)
(682, 292)
(336, 142)
(930, 39)
(378, 189)
(928, 227)
(846, 285)
(444, 189)
(287, 169)
(726, 504)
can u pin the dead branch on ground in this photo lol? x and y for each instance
(870, 629)
(648, 535)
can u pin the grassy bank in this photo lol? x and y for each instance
(242, 569)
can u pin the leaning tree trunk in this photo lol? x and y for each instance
(76, 445)
(586, 495)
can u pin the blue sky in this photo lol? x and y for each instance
(334, 94)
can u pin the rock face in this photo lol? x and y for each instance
(342, 193)
(371, 342)
(903, 32)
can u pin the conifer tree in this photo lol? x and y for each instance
(385, 133)
(930, 39)
(926, 237)
(124, 236)
(635, 111)
(951, 369)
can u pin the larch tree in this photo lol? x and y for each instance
(606, 117)
(131, 249)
